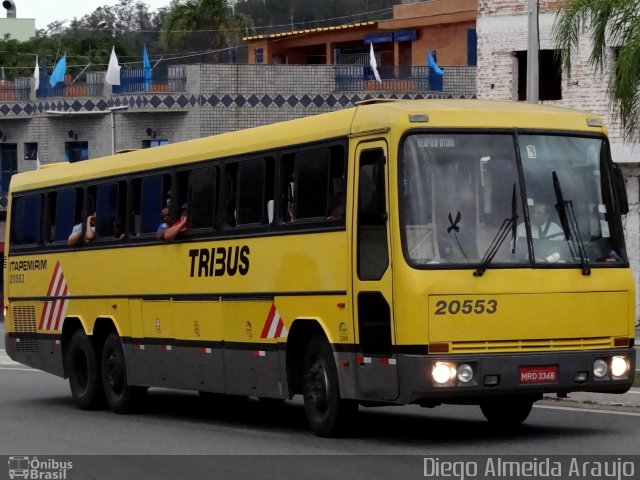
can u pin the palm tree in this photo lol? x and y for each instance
(608, 22)
(217, 16)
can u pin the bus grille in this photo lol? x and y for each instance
(24, 320)
(541, 344)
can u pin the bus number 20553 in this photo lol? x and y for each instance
(466, 307)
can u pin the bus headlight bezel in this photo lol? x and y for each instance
(600, 368)
(464, 373)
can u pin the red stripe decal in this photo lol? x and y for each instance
(267, 325)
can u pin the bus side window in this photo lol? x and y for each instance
(180, 196)
(150, 195)
(253, 176)
(203, 191)
(65, 211)
(312, 184)
(26, 220)
(231, 188)
(110, 210)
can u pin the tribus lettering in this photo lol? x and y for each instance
(218, 261)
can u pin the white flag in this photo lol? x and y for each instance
(374, 64)
(36, 75)
(113, 71)
(38, 165)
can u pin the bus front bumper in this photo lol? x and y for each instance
(507, 374)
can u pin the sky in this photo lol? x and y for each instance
(47, 11)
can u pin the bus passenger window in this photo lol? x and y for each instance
(313, 184)
(251, 195)
(26, 220)
(249, 190)
(150, 196)
(110, 210)
(311, 180)
(65, 211)
(203, 185)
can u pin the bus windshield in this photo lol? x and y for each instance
(461, 197)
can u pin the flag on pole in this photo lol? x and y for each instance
(113, 71)
(433, 65)
(374, 64)
(436, 75)
(146, 66)
(59, 71)
(36, 75)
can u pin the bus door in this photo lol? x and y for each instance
(372, 284)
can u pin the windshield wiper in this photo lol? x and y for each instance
(570, 226)
(500, 236)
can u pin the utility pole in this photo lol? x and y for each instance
(533, 48)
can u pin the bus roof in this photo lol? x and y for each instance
(352, 121)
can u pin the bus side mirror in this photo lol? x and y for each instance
(619, 189)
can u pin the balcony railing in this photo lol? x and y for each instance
(15, 90)
(403, 79)
(169, 79)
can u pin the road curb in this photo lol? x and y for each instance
(629, 401)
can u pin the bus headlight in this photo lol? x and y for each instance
(465, 373)
(443, 372)
(600, 368)
(619, 366)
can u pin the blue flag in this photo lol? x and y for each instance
(146, 66)
(433, 65)
(59, 71)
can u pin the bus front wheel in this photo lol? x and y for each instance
(328, 415)
(122, 397)
(84, 372)
(507, 412)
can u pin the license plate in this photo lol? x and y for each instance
(542, 374)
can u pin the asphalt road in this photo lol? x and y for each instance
(39, 418)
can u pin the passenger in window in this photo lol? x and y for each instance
(336, 210)
(179, 227)
(164, 225)
(118, 228)
(89, 233)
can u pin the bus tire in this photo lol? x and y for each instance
(122, 397)
(85, 379)
(507, 412)
(328, 414)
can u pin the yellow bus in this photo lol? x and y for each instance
(399, 252)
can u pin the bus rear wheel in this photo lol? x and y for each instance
(507, 412)
(328, 415)
(122, 397)
(84, 372)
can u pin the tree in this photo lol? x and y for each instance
(225, 27)
(607, 22)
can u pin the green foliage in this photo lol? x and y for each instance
(608, 23)
(283, 15)
(183, 27)
(224, 26)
